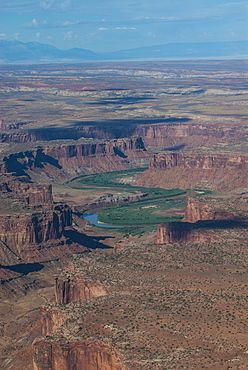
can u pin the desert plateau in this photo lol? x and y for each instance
(124, 215)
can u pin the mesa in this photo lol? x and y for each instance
(156, 153)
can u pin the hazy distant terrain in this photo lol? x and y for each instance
(19, 52)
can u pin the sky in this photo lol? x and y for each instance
(111, 25)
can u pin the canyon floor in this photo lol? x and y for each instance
(150, 296)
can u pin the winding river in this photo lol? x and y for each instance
(93, 219)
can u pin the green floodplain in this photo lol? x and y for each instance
(137, 215)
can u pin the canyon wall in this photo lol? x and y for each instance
(74, 355)
(205, 218)
(183, 232)
(63, 161)
(155, 136)
(161, 136)
(23, 189)
(199, 161)
(23, 233)
(221, 172)
(51, 319)
(72, 290)
(200, 209)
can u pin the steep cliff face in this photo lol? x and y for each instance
(51, 319)
(72, 290)
(183, 232)
(155, 136)
(69, 160)
(160, 136)
(201, 161)
(24, 190)
(205, 218)
(20, 232)
(74, 355)
(222, 172)
(200, 209)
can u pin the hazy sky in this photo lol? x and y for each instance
(109, 25)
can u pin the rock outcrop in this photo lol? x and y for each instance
(51, 319)
(71, 159)
(183, 232)
(221, 172)
(74, 355)
(160, 136)
(205, 161)
(200, 209)
(204, 219)
(173, 132)
(23, 189)
(22, 232)
(72, 290)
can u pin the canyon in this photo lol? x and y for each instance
(218, 172)
(74, 296)
(68, 160)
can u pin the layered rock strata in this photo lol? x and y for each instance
(72, 290)
(221, 172)
(22, 232)
(201, 161)
(160, 136)
(155, 136)
(200, 209)
(68, 160)
(183, 232)
(204, 219)
(23, 189)
(51, 319)
(74, 355)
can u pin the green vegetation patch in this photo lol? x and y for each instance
(107, 179)
(140, 212)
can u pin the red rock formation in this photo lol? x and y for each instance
(23, 189)
(70, 160)
(202, 216)
(154, 135)
(51, 319)
(202, 161)
(221, 172)
(20, 232)
(72, 290)
(192, 135)
(182, 232)
(74, 355)
(200, 209)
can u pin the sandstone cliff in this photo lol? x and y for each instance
(63, 161)
(23, 189)
(71, 290)
(200, 209)
(221, 172)
(22, 234)
(74, 355)
(160, 136)
(183, 232)
(51, 319)
(155, 136)
(204, 219)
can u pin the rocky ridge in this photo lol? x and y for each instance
(204, 220)
(219, 172)
(155, 136)
(68, 160)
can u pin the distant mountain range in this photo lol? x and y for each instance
(34, 52)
